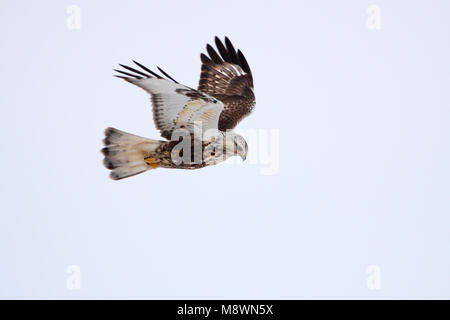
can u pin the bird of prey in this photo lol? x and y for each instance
(184, 116)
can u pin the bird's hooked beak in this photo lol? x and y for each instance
(244, 156)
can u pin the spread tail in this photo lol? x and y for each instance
(127, 154)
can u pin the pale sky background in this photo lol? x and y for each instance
(363, 179)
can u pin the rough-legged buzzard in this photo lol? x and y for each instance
(196, 123)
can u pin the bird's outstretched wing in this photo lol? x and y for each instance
(174, 105)
(228, 78)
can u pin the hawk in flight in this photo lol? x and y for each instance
(197, 124)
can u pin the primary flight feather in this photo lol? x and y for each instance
(196, 123)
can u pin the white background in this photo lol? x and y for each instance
(363, 177)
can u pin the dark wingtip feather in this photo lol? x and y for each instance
(244, 63)
(134, 70)
(231, 51)
(222, 50)
(228, 43)
(148, 70)
(165, 73)
(213, 54)
(128, 74)
(204, 58)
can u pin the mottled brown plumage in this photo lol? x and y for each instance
(228, 78)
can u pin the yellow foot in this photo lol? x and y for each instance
(151, 162)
